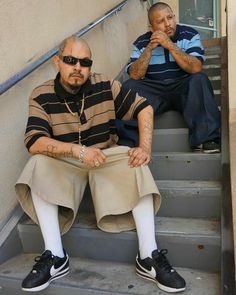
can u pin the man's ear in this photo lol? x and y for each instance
(56, 60)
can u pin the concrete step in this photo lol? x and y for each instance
(170, 140)
(213, 50)
(180, 198)
(185, 166)
(213, 60)
(173, 119)
(89, 277)
(169, 120)
(212, 72)
(216, 82)
(190, 199)
(193, 243)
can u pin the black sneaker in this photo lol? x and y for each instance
(159, 270)
(209, 147)
(46, 269)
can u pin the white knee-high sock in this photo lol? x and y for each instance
(143, 215)
(48, 220)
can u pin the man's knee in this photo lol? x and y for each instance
(199, 78)
(39, 157)
(130, 84)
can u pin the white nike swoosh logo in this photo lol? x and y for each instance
(54, 270)
(151, 272)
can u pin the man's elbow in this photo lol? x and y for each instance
(196, 69)
(36, 146)
(134, 76)
(32, 150)
(147, 110)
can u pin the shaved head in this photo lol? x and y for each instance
(73, 75)
(73, 39)
(156, 7)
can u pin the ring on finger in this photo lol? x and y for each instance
(97, 164)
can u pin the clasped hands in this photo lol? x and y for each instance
(159, 38)
(94, 157)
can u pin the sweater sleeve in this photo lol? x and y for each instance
(127, 102)
(38, 123)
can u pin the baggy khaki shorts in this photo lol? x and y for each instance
(115, 187)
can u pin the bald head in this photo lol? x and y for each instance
(74, 39)
(73, 61)
(157, 7)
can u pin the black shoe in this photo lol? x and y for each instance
(46, 269)
(159, 270)
(209, 147)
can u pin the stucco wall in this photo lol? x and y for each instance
(231, 26)
(29, 29)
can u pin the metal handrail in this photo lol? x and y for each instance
(34, 65)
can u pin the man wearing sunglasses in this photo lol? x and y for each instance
(72, 138)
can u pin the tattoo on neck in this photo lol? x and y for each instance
(70, 89)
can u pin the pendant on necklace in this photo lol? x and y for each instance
(79, 116)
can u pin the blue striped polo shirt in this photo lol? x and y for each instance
(162, 65)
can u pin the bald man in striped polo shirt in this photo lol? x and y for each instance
(72, 137)
(165, 67)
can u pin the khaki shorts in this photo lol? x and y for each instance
(115, 187)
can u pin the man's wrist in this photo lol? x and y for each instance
(81, 153)
(145, 148)
(149, 47)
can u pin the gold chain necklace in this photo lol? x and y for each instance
(75, 115)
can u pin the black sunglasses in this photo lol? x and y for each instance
(71, 60)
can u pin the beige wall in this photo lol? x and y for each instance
(36, 27)
(222, 16)
(231, 22)
(231, 27)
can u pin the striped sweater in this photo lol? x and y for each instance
(162, 65)
(104, 101)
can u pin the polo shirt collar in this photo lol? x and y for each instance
(63, 94)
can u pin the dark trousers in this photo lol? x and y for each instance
(191, 95)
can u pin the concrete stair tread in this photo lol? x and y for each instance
(164, 225)
(188, 226)
(91, 277)
(184, 155)
(170, 131)
(170, 140)
(190, 184)
(190, 199)
(185, 166)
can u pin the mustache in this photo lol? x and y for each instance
(76, 74)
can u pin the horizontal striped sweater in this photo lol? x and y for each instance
(162, 65)
(104, 101)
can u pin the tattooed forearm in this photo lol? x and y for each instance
(138, 68)
(187, 62)
(147, 132)
(52, 151)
